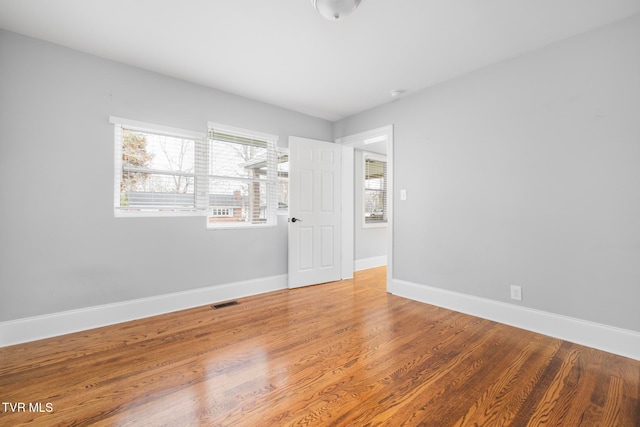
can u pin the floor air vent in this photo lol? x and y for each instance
(224, 304)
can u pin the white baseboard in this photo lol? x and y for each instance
(602, 337)
(365, 263)
(50, 325)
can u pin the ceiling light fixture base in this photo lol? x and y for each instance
(335, 10)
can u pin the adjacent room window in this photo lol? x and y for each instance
(242, 177)
(375, 190)
(156, 169)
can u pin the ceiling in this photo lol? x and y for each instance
(283, 53)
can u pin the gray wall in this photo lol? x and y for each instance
(60, 246)
(526, 173)
(369, 242)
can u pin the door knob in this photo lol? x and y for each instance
(295, 220)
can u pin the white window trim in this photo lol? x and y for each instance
(382, 158)
(136, 125)
(154, 128)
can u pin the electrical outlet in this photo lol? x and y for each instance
(516, 293)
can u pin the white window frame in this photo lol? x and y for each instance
(134, 125)
(271, 182)
(381, 158)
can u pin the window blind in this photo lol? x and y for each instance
(242, 177)
(375, 189)
(157, 169)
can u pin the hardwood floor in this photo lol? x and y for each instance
(344, 354)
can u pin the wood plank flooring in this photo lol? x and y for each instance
(340, 354)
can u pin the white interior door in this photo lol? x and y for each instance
(314, 212)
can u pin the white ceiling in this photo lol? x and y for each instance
(283, 53)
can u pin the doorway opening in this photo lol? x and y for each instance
(358, 236)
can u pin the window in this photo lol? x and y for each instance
(375, 190)
(242, 177)
(283, 181)
(230, 176)
(156, 169)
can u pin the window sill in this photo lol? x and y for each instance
(238, 227)
(155, 214)
(375, 225)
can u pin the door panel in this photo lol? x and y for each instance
(305, 236)
(327, 232)
(315, 169)
(327, 193)
(306, 197)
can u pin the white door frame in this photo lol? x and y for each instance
(348, 215)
